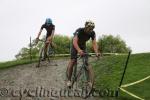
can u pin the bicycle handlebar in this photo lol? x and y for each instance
(41, 40)
(35, 42)
(87, 54)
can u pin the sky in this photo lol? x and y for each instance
(20, 19)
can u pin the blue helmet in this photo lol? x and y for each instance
(48, 21)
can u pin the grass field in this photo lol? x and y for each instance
(4, 65)
(109, 69)
(14, 63)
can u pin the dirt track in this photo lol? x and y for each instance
(26, 82)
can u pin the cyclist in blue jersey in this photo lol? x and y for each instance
(50, 28)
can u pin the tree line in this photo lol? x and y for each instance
(62, 45)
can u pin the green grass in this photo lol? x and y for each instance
(108, 72)
(8, 64)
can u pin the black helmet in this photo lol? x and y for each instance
(89, 23)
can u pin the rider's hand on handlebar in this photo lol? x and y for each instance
(98, 55)
(36, 40)
(81, 52)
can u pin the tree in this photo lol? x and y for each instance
(112, 44)
(23, 53)
(62, 44)
(89, 46)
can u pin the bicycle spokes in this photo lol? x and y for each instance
(83, 79)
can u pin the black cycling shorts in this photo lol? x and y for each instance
(74, 52)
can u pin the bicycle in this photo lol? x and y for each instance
(81, 78)
(50, 52)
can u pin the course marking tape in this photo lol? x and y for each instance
(126, 85)
(131, 94)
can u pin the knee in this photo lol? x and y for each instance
(73, 61)
(47, 42)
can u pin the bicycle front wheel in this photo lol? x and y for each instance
(85, 81)
(41, 55)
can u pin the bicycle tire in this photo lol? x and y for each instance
(83, 83)
(40, 57)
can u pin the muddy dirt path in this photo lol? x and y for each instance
(26, 82)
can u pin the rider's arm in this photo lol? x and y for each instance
(39, 33)
(43, 26)
(75, 43)
(94, 45)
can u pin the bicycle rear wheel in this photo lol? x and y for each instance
(51, 51)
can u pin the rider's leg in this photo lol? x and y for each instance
(90, 76)
(52, 44)
(47, 42)
(72, 62)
